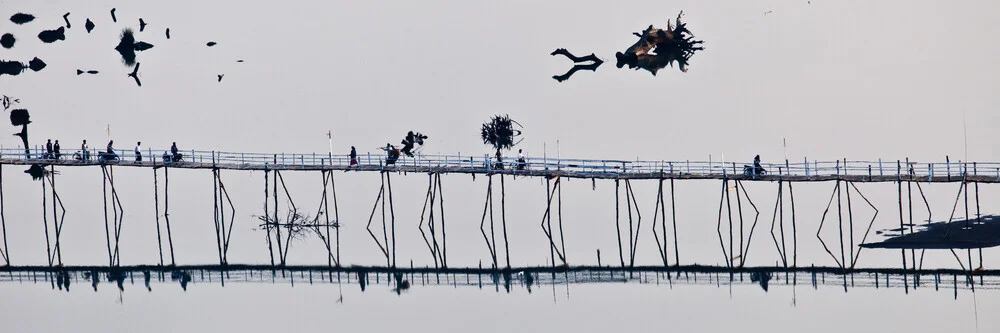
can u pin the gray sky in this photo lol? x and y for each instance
(837, 79)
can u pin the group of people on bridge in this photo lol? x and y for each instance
(52, 151)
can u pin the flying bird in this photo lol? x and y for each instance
(113, 18)
(22, 18)
(78, 72)
(142, 25)
(168, 33)
(66, 18)
(135, 74)
(220, 77)
(210, 44)
(89, 25)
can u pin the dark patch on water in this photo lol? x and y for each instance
(963, 234)
(89, 25)
(36, 64)
(590, 62)
(50, 36)
(37, 171)
(762, 278)
(135, 75)
(659, 48)
(7, 40)
(127, 46)
(22, 18)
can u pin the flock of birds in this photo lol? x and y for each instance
(127, 46)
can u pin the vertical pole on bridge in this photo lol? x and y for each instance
(795, 234)
(392, 215)
(56, 223)
(215, 212)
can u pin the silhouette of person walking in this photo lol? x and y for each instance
(48, 150)
(55, 149)
(138, 151)
(354, 156)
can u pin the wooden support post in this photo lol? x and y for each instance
(621, 255)
(267, 226)
(45, 222)
(156, 210)
(107, 230)
(3, 222)
(166, 213)
(673, 212)
(503, 218)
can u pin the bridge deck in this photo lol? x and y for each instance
(805, 171)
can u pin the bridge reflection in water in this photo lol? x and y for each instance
(505, 280)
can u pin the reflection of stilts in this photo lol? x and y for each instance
(385, 191)
(222, 237)
(660, 211)
(434, 195)
(58, 217)
(838, 193)
(488, 208)
(118, 214)
(3, 222)
(745, 241)
(552, 191)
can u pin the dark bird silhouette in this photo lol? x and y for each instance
(142, 46)
(168, 33)
(66, 18)
(142, 25)
(113, 18)
(7, 40)
(239, 60)
(22, 18)
(220, 77)
(50, 36)
(210, 44)
(89, 25)
(78, 72)
(135, 74)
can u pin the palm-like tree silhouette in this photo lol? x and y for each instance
(500, 132)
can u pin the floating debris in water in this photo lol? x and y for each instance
(19, 117)
(658, 48)
(210, 44)
(37, 171)
(22, 18)
(128, 45)
(89, 25)
(66, 18)
(50, 36)
(135, 74)
(595, 62)
(36, 64)
(7, 40)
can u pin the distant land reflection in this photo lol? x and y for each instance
(515, 280)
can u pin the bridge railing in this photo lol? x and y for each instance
(806, 168)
